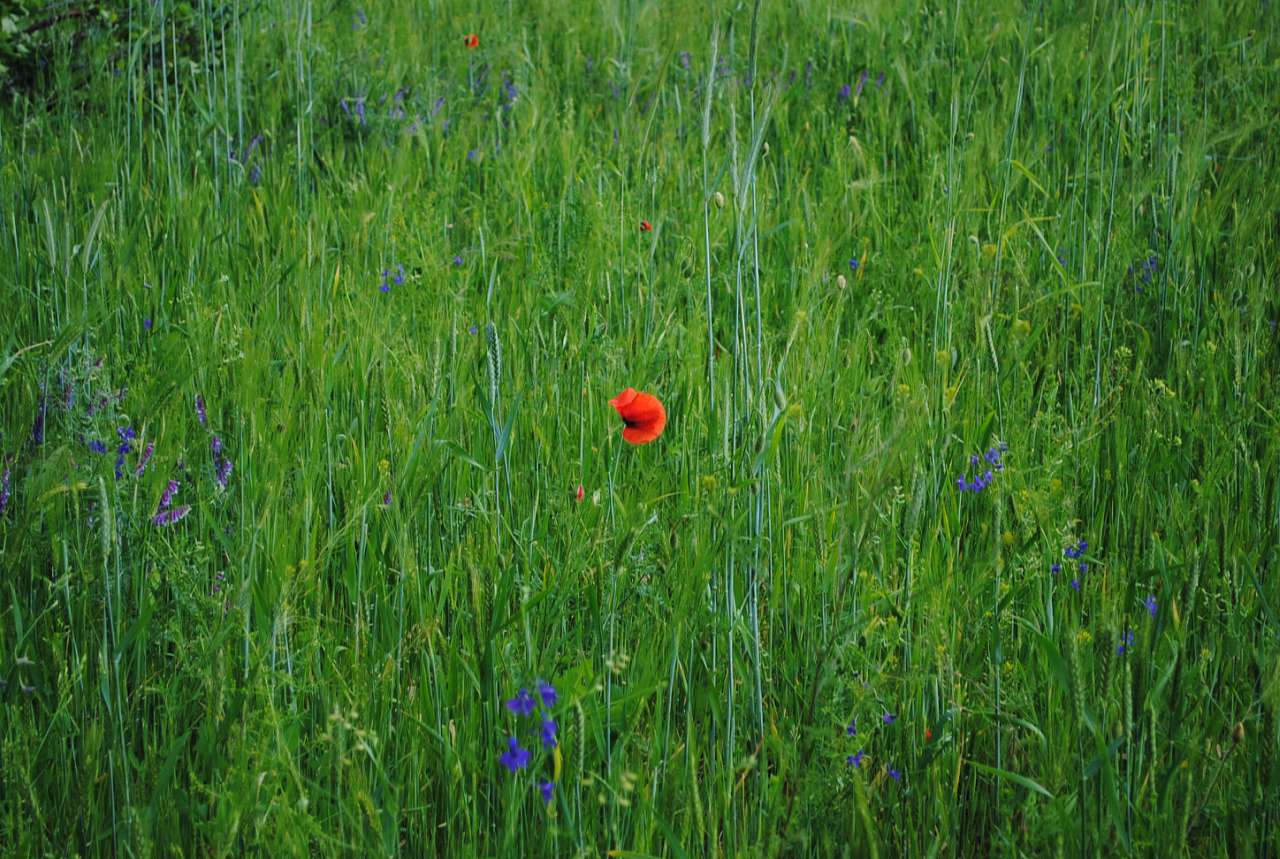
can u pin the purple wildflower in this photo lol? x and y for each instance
(522, 704)
(855, 760)
(896, 775)
(1055, 568)
(166, 518)
(435, 108)
(473, 154)
(472, 330)
(545, 788)
(862, 81)
(1151, 604)
(853, 264)
(97, 446)
(200, 413)
(514, 758)
(386, 498)
(146, 323)
(879, 80)
(1075, 583)
(843, 95)
(851, 728)
(888, 718)
(458, 261)
(548, 733)
(4, 490)
(144, 459)
(121, 451)
(547, 693)
(215, 444)
(684, 60)
(224, 473)
(37, 428)
(167, 497)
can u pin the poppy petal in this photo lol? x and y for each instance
(624, 399)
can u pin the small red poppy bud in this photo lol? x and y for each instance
(646, 227)
(472, 40)
(580, 494)
(928, 735)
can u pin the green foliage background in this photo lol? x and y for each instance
(1067, 222)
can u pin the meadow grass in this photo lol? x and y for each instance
(1066, 224)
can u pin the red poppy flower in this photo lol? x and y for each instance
(928, 735)
(642, 413)
(472, 40)
(646, 227)
(580, 494)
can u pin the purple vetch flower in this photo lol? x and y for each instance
(843, 95)
(547, 693)
(879, 80)
(167, 497)
(545, 788)
(896, 775)
(1151, 604)
(855, 761)
(458, 261)
(1126, 642)
(97, 446)
(215, 444)
(1075, 583)
(973, 460)
(386, 498)
(522, 704)
(435, 108)
(219, 579)
(37, 428)
(4, 490)
(200, 413)
(224, 473)
(144, 459)
(851, 728)
(166, 518)
(514, 758)
(548, 733)
(1055, 568)
(1084, 567)
(888, 718)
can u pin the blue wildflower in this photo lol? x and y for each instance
(843, 95)
(852, 728)
(546, 788)
(1055, 568)
(4, 490)
(522, 704)
(547, 693)
(514, 758)
(548, 733)
(458, 261)
(896, 775)
(1151, 604)
(97, 446)
(855, 760)
(853, 263)
(1126, 642)
(888, 718)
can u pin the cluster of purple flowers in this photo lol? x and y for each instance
(166, 514)
(4, 490)
(523, 705)
(1075, 553)
(983, 478)
(855, 760)
(845, 91)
